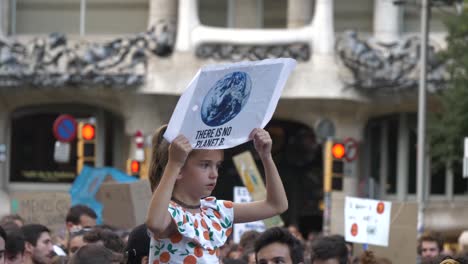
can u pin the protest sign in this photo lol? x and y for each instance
(46, 208)
(224, 103)
(248, 171)
(367, 221)
(241, 195)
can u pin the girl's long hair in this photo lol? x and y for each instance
(159, 157)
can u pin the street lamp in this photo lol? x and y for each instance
(422, 109)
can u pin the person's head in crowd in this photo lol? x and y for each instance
(430, 245)
(76, 240)
(294, 230)
(137, 250)
(38, 244)
(13, 218)
(247, 239)
(367, 257)
(248, 255)
(14, 248)
(234, 252)
(463, 242)
(106, 238)
(80, 216)
(94, 254)
(329, 250)
(278, 245)
(2, 245)
(444, 260)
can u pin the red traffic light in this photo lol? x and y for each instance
(338, 151)
(135, 167)
(88, 132)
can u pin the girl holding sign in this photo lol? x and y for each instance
(187, 224)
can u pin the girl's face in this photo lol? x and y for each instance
(200, 172)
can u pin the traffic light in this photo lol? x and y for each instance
(133, 167)
(86, 145)
(334, 153)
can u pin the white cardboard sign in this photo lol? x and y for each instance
(242, 195)
(367, 221)
(224, 103)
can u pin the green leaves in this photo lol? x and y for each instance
(448, 124)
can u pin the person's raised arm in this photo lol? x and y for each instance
(276, 201)
(158, 219)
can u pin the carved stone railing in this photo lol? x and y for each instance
(55, 60)
(232, 52)
(377, 67)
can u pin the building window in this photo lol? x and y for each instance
(460, 184)
(64, 16)
(275, 13)
(213, 12)
(32, 150)
(412, 19)
(32, 142)
(353, 15)
(243, 14)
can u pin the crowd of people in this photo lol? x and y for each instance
(185, 224)
(88, 243)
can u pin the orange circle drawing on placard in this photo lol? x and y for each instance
(380, 208)
(354, 229)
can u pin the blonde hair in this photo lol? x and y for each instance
(159, 157)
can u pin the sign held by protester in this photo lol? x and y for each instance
(224, 103)
(367, 221)
(46, 208)
(242, 195)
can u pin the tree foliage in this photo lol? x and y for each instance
(448, 125)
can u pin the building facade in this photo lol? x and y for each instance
(124, 63)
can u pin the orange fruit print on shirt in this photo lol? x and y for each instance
(227, 204)
(190, 260)
(216, 226)
(229, 231)
(198, 251)
(176, 237)
(165, 257)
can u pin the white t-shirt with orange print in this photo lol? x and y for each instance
(200, 235)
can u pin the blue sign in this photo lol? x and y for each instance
(65, 128)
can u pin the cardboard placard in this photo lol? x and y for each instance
(46, 208)
(224, 103)
(367, 221)
(124, 204)
(402, 229)
(241, 195)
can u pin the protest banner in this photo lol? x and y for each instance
(403, 218)
(46, 208)
(367, 221)
(224, 103)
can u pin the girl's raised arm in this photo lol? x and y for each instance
(158, 219)
(276, 201)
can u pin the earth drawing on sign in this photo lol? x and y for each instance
(226, 98)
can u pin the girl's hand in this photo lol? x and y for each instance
(262, 142)
(179, 150)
